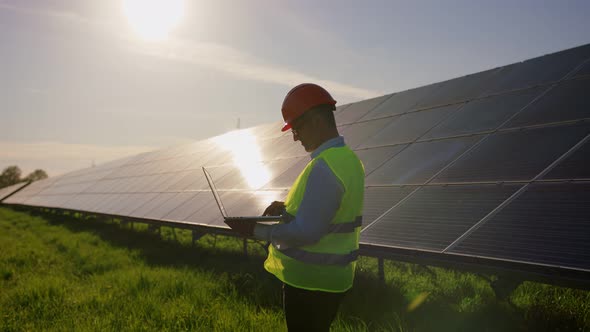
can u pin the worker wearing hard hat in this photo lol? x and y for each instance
(314, 252)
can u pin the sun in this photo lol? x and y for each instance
(153, 19)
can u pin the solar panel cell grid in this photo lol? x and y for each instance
(584, 70)
(547, 224)
(357, 110)
(434, 216)
(420, 161)
(409, 126)
(115, 205)
(400, 102)
(457, 90)
(148, 206)
(380, 199)
(76, 202)
(286, 179)
(514, 155)
(165, 206)
(576, 166)
(172, 180)
(187, 179)
(359, 132)
(202, 202)
(4, 192)
(484, 114)
(109, 200)
(374, 157)
(567, 101)
(133, 202)
(289, 149)
(94, 202)
(102, 186)
(542, 70)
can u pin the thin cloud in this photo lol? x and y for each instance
(232, 61)
(57, 157)
(211, 55)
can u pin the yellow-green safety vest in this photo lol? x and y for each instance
(327, 265)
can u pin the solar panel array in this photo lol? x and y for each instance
(492, 165)
(7, 191)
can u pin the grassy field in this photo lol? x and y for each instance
(63, 273)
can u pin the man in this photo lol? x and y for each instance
(314, 251)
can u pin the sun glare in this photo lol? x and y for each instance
(153, 19)
(246, 155)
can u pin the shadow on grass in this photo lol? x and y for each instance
(370, 305)
(246, 274)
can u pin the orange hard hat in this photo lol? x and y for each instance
(301, 99)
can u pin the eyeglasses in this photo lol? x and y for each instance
(298, 124)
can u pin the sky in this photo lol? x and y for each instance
(81, 84)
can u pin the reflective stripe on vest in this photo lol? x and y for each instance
(322, 258)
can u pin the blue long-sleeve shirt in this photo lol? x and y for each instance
(321, 201)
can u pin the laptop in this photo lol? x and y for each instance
(224, 213)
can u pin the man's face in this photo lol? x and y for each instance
(303, 131)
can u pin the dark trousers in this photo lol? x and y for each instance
(309, 310)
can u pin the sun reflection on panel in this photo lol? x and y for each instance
(246, 156)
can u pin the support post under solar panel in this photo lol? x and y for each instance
(504, 286)
(197, 235)
(381, 266)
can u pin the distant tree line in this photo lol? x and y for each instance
(12, 175)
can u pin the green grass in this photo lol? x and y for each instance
(64, 273)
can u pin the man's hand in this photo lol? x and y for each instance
(275, 208)
(244, 228)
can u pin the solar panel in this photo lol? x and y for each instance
(457, 90)
(288, 148)
(359, 132)
(155, 206)
(420, 161)
(131, 202)
(31, 190)
(584, 70)
(103, 186)
(187, 180)
(400, 102)
(435, 216)
(484, 114)
(576, 166)
(567, 101)
(77, 202)
(410, 126)
(270, 148)
(102, 205)
(438, 159)
(542, 70)
(356, 110)
(286, 179)
(194, 203)
(547, 224)
(514, 155)
(380, 199)
(164, 204)
(375, 157)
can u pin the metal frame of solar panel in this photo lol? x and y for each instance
(486, 172)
